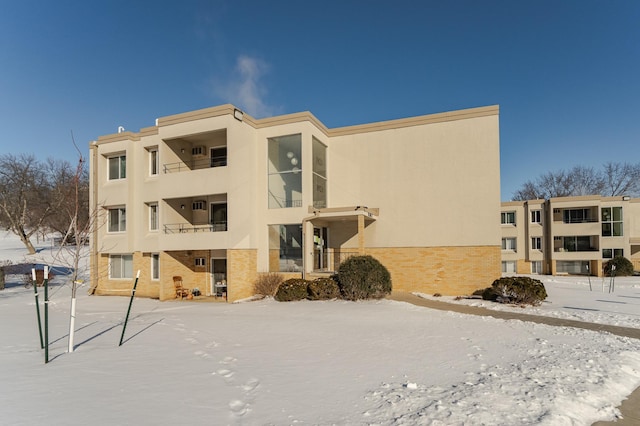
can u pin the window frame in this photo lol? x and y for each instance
(155, 266)
(505, 247)
(125, 259)
(121, 222)
(154, 162)
(536, 243)
(504, 218)
(121, 167)
(154, 217)
(536, 214)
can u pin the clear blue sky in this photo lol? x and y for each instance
(566, 74)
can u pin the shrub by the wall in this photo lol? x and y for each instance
(291, 290)
(267, 283)
(323, 289)
(363, 277)
(624, 267)
(516, 290)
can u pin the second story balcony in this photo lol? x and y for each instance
(191, 228)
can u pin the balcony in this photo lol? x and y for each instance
(195, 164)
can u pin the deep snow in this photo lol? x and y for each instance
(335, 362)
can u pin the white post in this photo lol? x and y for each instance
(72, 322)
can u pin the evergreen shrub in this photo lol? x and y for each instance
(323, 289)
(516, 290)
(624, 267)
(363, 277)
(291, 290)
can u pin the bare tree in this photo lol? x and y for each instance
(621, 179)
(26, 197)
(614, 179)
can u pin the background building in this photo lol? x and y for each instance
(215, 197)
(572, 235)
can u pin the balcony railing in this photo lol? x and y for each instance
(200, 163)
(187, 228)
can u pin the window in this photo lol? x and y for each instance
(573, 266)
(285, 248)
(575, 243)
(508, 266)
(197, 151)
(219, 156)
(319, 174)
(577, 216)
(611, 253)
(154, 164)
(509, 244)
(120, 266)
(285, 171)
(153, 216)
(155, 266)
(508, 218)
(535, 216)
(198, 205)
(200, 261)
(117, 219)
(218, 217)
(536, 267)
(117, 167)
(612, 221)
(536, 243)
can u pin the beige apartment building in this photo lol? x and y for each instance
(569, 235)
(214, 197)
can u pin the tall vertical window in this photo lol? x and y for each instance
(319, 174)
(535, 216)
(155, 266)
(536, 267)
(153, 216)
(285, 171)
(120, 266)
(117, 219)
(612, 221)
(154, 161)
(508, 218)
(285, 248)
(117, 167)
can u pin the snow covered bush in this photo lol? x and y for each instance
(363, 277)
(624, 267)
(267, 283)
(291, 290)
(516, 290)
(323, 289)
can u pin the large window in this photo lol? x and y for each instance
(218, 216)
(508, 266)
(319, 174)
(575, 243)
(536, 267)
(509, 244)
(508, 218)
(117, 219)
(572, 266)
(612, 221)
(578, 216)
(285, 172)
(120, 266)
(117, 167)
(285, 248)
(153, 216)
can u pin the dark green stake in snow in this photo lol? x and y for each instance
(133, 293)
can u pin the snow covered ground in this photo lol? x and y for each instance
(319, 363)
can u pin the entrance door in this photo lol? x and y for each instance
(219, 277)
(320, 249)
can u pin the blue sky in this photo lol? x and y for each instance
(566, 74)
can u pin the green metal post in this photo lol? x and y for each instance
(35, 291)
(133, 293)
